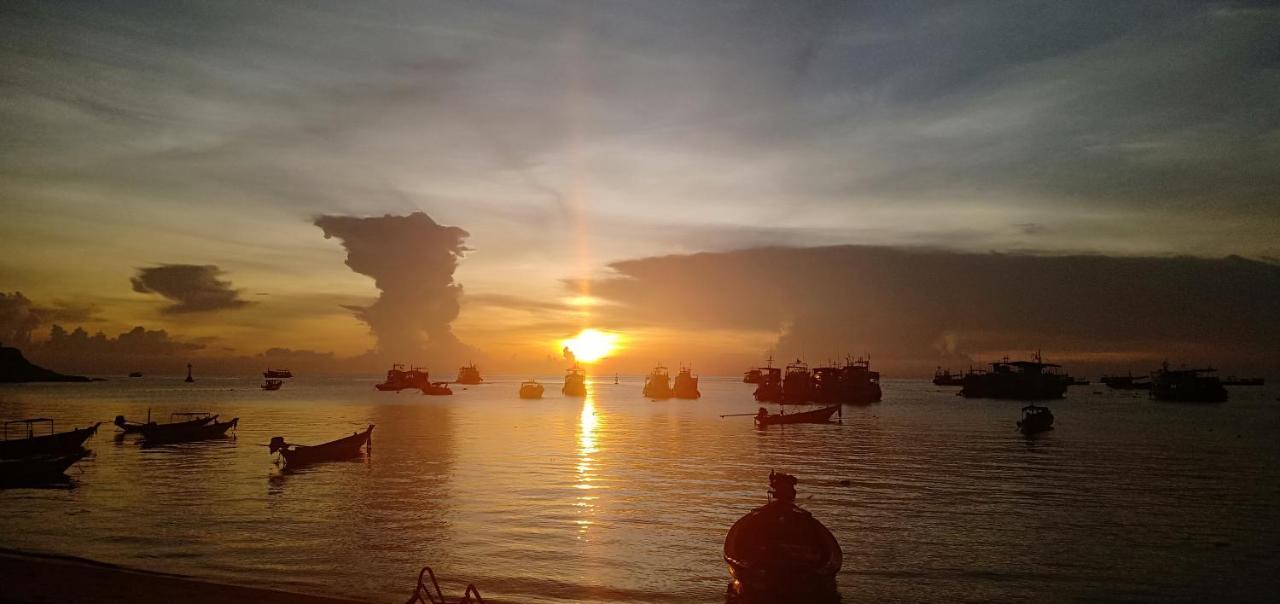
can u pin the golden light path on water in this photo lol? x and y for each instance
(587, 423)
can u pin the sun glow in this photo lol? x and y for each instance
(591, 345)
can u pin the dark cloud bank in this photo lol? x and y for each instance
(411, 260)
(914, 309)
(191, 287)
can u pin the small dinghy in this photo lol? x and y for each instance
(343, 448)
(191, 418)
(780, 553)
(1035, 419)
(21, 440)
(168, 434)
(817, 416)
(531, 389)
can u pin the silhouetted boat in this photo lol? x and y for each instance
(272, 384)
(531, 389)
(1235, 381)
(769, 390)
(39, 469)
(756, 375)
(469, 375)
(817, 416)
(686, 384)
(1035, 419)
(944, 377)
(343, 448)
(196, 418)
(657, 385)
(277, 374)
(780, 553)
(437, 389)
(167, 434)
(1127, 382)
(135, 374)
(29, 444)
(1019, 380)
(858, 384)
(797, 384)
(575, 382)
(398, 379)
(1187, 385)
(189, 378)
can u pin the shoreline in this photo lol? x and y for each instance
(53, 578)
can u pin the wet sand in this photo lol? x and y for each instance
(32, 577)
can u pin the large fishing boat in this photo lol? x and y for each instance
(277, 374)
(780, 553)
(859, 385)
(657, 385)
(1019, 380)
(769, 390)
(756, 375)
(575, 382)
(399, 379)
(1187, 385)
(686, 384)
(531, 389)
(797, 384)
(1127, 382)
(468, 374)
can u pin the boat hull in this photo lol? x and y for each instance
(817, 416)
(41, 469)
(337, 450)
(168, 434)
(62, 443)
(531, 392)
(781, 553)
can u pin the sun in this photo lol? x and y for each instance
(591, 345)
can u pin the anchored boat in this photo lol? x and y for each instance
(185, 432)
(686, 385)
(272, 384)
(944, 377)
(531, 389)
(817, 416)
(277, 374)
(1019, 380)
(575, 382)
(21, 440)
(399, 379)
(39, 469)
(469, 374)
(343, 448)
(780, 553)
(193, 418)
(1187, 385)
(657, 385)
(1035, 419)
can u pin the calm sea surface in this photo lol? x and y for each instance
(619, 499)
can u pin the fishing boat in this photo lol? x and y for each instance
(189, 378)
(167, 434)
(344, 448)
(277, 374)
(780, 553)
(469, 375)
(944, 377)
(575, 382)
(1187, 385)
(399, 379)
(657, 385)
(272, 384)
(1035, 419)
(756, 375)
(1127, 382)
(135, 374)
(531, 389)
(39, 469)
(21, 440)
(769, 390)
(1019, 380)
(686, 384)
(176, 420)
(858, 384)
(817, 416)
(797, 384)
(437, 389)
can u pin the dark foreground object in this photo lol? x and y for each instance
(1035, 419)
(52, 579)
(21, 439)
(780, 553)
(429, 593)
(40, 470)
(343, 448)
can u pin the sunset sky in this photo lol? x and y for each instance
(1098, 180)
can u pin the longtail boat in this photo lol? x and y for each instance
(817, 416)
(59, 443)
(343, 448)
(40, 469)
(167, 434)
(198, 418)
(780, 553)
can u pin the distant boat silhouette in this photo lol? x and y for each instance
(1018, 380)
(686, 385)
(272, 384)
(1035, 419)
(657, 385)
(575, 382)
(135, 374)
(398, 379)
(469, 375)
(1187, 385)
(277, 373)
(189, 378)
(531, 389)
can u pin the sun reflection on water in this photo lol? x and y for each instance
(587, 425)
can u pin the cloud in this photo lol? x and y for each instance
(191, 287)
(916, 308)
(411, 260)
(18, 318)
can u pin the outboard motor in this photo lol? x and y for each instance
(277, 443)
(120, 421)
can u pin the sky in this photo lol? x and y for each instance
(335, 184)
